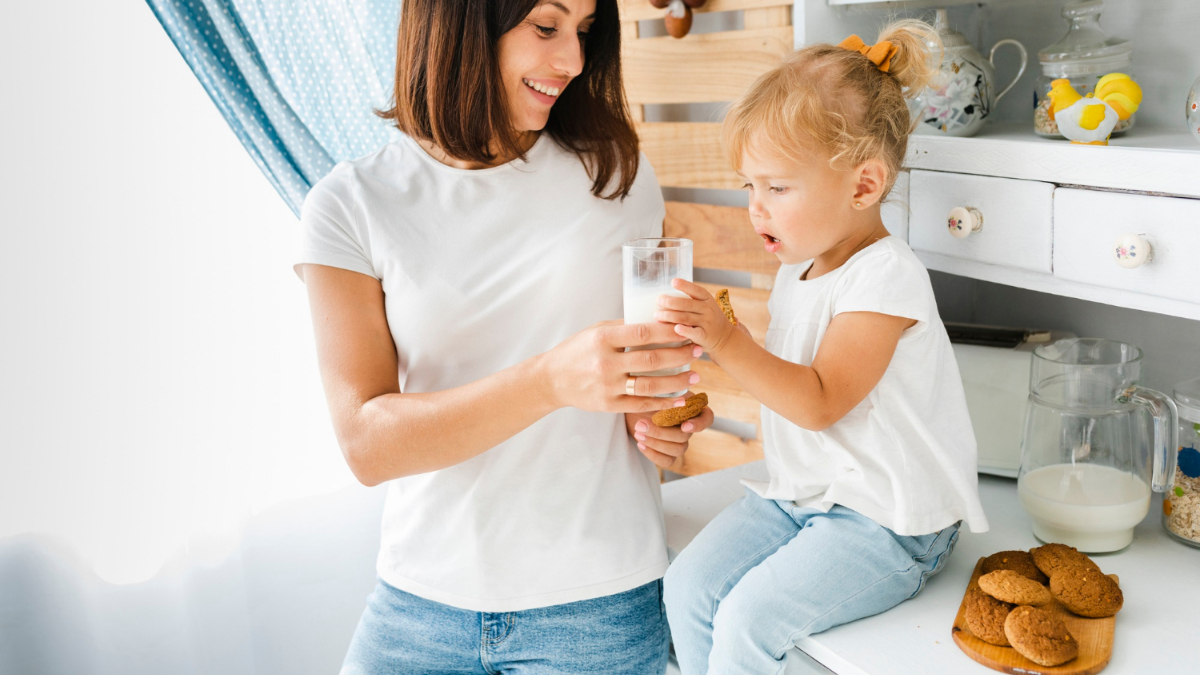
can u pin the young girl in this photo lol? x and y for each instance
(868, 445)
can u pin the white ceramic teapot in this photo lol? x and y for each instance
(963, 94)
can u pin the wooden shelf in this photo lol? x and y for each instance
(1158, 161)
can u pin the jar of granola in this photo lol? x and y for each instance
(1084, 55)
(1181, 504)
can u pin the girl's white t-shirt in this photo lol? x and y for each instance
(905, 456)
(482, 270)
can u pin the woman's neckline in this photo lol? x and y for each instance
(534, 150)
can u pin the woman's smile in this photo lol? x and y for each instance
(544, 91)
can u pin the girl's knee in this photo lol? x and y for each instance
(743, 635)
(690, 580)
(677, 583)
(747, 621)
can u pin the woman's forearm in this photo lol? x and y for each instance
(394, 435)
(789, 389)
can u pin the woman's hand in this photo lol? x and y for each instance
(664, 445)
(698, 317)
(591, 369)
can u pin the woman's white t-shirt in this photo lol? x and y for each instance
(905, 456)
(482, 270)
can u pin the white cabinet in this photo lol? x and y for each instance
(895, 208)
(1015, 215)
(1090, 226)
(1045, 232)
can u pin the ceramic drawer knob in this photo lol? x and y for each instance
(1132, 250)
(964, 220)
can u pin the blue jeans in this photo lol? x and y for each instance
(764, 573)
(623, 634)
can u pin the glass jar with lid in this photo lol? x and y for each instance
(1181, 504)
(1084, 55)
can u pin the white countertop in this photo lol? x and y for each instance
(1158, 630)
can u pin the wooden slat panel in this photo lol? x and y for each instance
(712, 450)
(766, 281)
(768, 16)
(700, 67)
(687, 154)
(641, 10)
(630, 31)
(750, 307)
(725, 396)
(722, 235)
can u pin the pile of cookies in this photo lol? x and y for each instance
(1005, 609)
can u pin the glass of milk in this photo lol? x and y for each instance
(649, 266)
(1095, 444)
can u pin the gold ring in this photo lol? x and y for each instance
(630, 385)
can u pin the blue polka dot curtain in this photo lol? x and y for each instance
(297, 80)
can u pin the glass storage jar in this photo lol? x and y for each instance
(1084, 55)
(1192, 111)
(1181, 504)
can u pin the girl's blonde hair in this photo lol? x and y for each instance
(837, 103)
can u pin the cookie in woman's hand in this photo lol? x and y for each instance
(673, 417)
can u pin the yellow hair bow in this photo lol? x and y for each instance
(880, 54)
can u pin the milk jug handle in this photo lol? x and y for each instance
(1166, 433)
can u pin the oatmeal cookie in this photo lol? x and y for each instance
(672, 417)
(1018, 561)
(985, 617)
(1087, 592)
(1010, 586)
(723, 301)
(1040, 636)
(1052, 558)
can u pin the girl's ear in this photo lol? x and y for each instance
(870, 179)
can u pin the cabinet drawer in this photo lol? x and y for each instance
(1088, 223)
(895, 208)
(1016, 214)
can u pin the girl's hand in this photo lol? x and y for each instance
(664, 445)
(591, 369)
(698, 317)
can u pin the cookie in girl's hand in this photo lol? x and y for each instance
(723, 301)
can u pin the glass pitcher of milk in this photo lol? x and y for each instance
(649, 266)
(1095, 444)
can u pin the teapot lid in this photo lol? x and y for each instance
(1085, 41)
(950, 37)
(1187, 399)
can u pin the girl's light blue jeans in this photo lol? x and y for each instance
(764, 573)
(622, 634)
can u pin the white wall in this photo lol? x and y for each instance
(159, 397)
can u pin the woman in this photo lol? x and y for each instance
(460, 280)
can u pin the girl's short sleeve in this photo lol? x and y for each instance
(887, 283)
(329, 232)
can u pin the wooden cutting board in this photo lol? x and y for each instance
(1095, 638)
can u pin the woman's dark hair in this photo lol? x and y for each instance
(448, 89)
